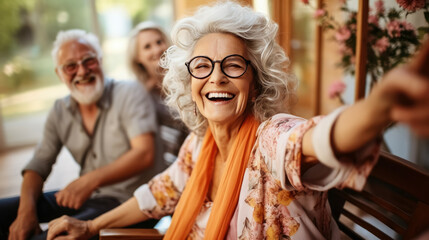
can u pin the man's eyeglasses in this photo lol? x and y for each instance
(233, 66)
(88, 62)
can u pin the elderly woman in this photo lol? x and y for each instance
(248, 170)
(146, 45)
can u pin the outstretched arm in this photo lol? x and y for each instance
(139, 157)
(126, 214)
(365, 120)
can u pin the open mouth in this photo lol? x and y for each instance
(89, 79)
(217, 97)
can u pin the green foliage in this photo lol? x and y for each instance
(139, 10)
(56, 15)
(28, 28)
(15, 73)
(9, 23)
(393, 14)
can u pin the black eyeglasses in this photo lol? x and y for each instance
(233, 66)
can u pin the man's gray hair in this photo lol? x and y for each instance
(274, 85)
(75, 34)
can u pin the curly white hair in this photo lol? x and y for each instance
(275, 86)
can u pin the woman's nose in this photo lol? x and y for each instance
(160, 49)
(217, 76)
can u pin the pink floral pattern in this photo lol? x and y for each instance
(412, 5)
(275, 202)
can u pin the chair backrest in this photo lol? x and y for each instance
(393, 204)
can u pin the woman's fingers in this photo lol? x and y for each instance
(402, 83)
(409, 93)
(56, 227)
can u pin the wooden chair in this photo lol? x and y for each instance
(131, 234)
(396, 194)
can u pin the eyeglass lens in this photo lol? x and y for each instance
(233, 66)
(88, 62)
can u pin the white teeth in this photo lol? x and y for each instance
(220, 95)
(85, 80)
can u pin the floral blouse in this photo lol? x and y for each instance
(276, 201)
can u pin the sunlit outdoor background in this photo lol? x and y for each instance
(28, 83)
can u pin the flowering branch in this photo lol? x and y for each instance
(391, 40)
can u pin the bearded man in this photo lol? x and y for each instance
(107, 126)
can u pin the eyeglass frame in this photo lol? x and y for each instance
(80, 62)
(213, 65)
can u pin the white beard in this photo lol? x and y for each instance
(90, 94)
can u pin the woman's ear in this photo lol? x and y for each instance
(192, 96)
(254, 92)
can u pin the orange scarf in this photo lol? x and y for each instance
(226, 199)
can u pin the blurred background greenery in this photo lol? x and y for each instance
(28, 83)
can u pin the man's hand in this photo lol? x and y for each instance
(24, 226)
(77, 192)
(67, 227)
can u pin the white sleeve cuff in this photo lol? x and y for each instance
(322, 139)
(145, 198)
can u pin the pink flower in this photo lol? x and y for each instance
(382, 44)
(373, 19)
(319, 13)
(342, 34)
(306, 2)
(336, 89)
(408, 26)
(395, 27)
(379, 6)
(411, 5)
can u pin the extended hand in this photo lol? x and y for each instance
(76, 193)
(67, 227)
(24, 226)
(409, 97)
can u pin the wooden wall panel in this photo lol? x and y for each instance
(318, 68)
(361, 49)
(282, 15)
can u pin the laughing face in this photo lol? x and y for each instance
(79, 68)
(219, 98)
